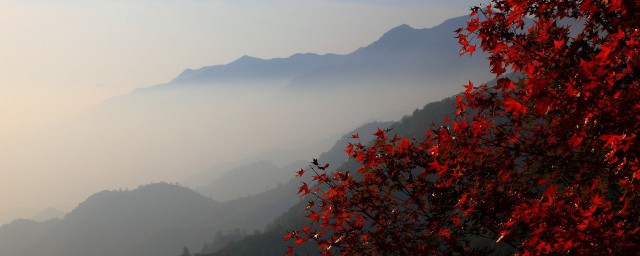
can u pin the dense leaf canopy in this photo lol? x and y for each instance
(544, 161)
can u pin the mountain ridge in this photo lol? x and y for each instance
(397, 63)
(300, 67)
(128, 222)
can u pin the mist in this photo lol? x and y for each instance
(140, 128)
(170, 134)
(66, 134)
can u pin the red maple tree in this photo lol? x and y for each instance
(545, 161)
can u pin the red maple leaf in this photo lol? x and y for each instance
(304, 189)
(289, 251)
(559, 180)
(512, 105)
(314, 216)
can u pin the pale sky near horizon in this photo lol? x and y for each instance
(60, 58)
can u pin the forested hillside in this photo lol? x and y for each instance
(271, 242)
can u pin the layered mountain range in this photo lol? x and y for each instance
(426, 56)
(192, 117)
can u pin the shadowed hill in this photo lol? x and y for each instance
(270, 241)
(384, 78)
(228, 112)
(150, 220)
(250, 179)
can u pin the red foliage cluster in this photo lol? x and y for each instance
(546, 161)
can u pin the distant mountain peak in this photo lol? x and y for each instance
(397, 31)
(303, 55)
(451, 24)
(246, 58)
(396, 45)
(48, 213)
(402, 27)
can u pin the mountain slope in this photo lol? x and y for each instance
(227, 112)
(248, 68)
(193, 117)
(404, 56)
(112, 222)
(254, 178)
(401, 52)
(151, 220)
(271, 240)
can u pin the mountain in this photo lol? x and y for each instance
(270, 242)
(404, 56)
(260, 176)
(113, 223)
(399, 53)
(47, 214)
(159, 219)
(153, 219)
(214, 113)
(275, 156)
(336, 155)
(250, 179)
(415, 64)
(224, 113)
(284, 195)
(248, 68)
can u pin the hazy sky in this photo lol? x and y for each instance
(60, 58)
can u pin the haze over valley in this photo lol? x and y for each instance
(166, 123)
